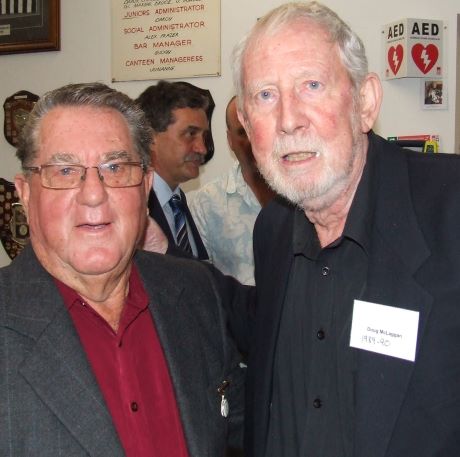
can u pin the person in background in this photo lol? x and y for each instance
(177, 112)
(225, 209)
(106, 350)
(355, 342)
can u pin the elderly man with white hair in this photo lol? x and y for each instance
(355, 343)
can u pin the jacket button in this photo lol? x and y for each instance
(325, 271)
(317, 403)
(320, 334)
(134, 407)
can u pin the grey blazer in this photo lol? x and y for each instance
(50, 402)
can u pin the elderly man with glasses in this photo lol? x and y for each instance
(102, 351)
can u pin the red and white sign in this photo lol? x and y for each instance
(413, 49)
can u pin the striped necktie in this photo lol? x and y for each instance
(178, 210)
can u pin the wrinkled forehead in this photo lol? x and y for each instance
(306, 26)
(304, 43)
(84, 133)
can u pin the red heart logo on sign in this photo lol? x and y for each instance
(425, 57)
(395, 57)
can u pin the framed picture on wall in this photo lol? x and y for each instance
(433, 94)
(29, 26)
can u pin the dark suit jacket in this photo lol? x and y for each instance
(156, 213)
(402, 409)
(50, 402)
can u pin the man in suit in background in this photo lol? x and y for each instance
(106, 350)
(355, 346)
(177, 113)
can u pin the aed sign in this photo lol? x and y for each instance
(412, 48)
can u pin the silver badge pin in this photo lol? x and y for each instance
(224, 406)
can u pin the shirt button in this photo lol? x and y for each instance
(325, 271)
(320, 334)
(317, 403)
(134, 406)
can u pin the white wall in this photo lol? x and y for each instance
(85, 56)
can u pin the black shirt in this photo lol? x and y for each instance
(312, 410)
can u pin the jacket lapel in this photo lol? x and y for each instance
(56, 367)
(273, 267)
(184, 354)
(202, 253)
(156, 213)
(398, 250)
(59, 373)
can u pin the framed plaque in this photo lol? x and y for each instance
(164, 39)
(14, 230)
(17, 109)
(29, 26)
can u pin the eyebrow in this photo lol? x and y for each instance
(63, 157)
(194, 129)
(116, 155)
(68, 157)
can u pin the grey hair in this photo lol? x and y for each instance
(95, 95)
(351, 48)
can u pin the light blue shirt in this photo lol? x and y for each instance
(224, 212)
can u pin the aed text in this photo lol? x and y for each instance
(423, 29)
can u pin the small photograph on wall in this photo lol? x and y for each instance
(434, 95)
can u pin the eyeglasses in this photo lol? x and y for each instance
(70, 176)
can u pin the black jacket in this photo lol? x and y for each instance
(401, 408)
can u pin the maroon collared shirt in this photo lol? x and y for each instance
(132, 373)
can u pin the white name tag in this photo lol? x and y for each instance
(384, 329)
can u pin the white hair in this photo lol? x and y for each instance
(351, 48)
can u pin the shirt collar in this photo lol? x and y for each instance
(234, 177)
(162, 189)
(360, 217)
(359, 220)
(305, 239)
(237, 184)
(137, 297)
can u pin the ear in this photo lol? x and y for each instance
(23, 190)
(153, 151)
(229, 140)
(244, 122)
(148, 181)
(370, 101)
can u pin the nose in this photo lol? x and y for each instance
(92, 191)
(292, 115)
(199, 145)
